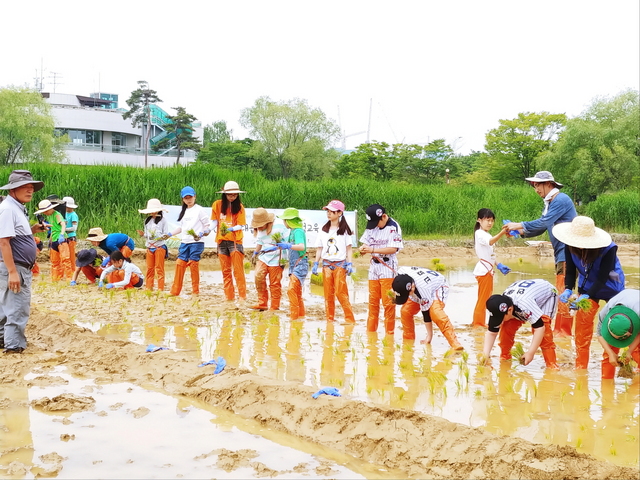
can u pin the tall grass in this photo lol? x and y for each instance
(618, 212)
(110, 196)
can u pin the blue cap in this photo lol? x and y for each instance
(187, 191)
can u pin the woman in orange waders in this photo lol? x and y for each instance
(592, 257)
(334, 248)
(194, 224)
(229, 216)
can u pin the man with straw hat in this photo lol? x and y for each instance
(619, 327)
(591, 256)
(17, 256)
(558, 208)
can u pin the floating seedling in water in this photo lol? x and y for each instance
(435, 261)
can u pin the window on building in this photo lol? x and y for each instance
(118, 139)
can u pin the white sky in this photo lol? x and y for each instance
(434, 69)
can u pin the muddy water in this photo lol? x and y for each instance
(565, 408)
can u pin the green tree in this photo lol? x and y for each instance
(27, 128)
(284, 129)
(180, 133)
(139, 112)
(599, 150)
(217, 132)
(230, 154)
(514, 146)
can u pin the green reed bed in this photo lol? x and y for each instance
(110, 196)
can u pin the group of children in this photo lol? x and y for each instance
(592, 265)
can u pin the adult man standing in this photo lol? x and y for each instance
(558, 208)
(17, 257)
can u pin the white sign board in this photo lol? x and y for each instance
(313, 222)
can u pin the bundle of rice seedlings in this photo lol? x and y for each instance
(517, 352)
(317, 279)
(435, 261)
(483, 360)
(276, 237)
(439, 267)
(627, 364)
(391, 294)
(193, 233)
(224, 229)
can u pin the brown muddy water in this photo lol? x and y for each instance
(134, 432)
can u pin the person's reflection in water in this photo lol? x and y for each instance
(295, 367)
(273, 348)
(154, 334)
(187, 339)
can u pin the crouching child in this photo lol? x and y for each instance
(122, 273)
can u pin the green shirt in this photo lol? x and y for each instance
(57, 223)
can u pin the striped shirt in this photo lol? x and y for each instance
(383, 265)
(430, 286)
(532, 299)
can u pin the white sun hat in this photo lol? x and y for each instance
(231, 187)
(153, 205)
(44, 206)
(581, 232)
(71, 203)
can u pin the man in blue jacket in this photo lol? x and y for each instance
(558, 208)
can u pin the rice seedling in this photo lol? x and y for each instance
(391, 379)
(626, 363)
(224, 229)
(401, 395)
(277, 237)
(193, 233)
(439, 267)
(391, 294)
(579, 443)
(247, 267)
(478, 393)
(612, 449)
(435, 261)
(317, 279)
(465, 356)
(518, 352)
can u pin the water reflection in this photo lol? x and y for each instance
(565, 407)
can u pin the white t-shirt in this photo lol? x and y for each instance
(128, 267)
(196, 219)
(485, 254)
(265, 239)
(334, 246)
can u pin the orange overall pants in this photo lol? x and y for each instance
(118, 276)
(438, 316)
(564, 320)
(585, 320)
(60, 261)
(296, 304)
(92, 273)
(275, 286)
(485, 290)
(335, 286)
(608, 370)
(233, 268)
(155, 267)
(507, 338)
(378, 292)
(178, 278)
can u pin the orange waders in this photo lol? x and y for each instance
(155, 267)
(118, 276)
(564, 320)
(92, 273)
(507, 337)
(485, 289)
(584, 333)
(72, 252)
(60, 261)
(608, 370)
(296, 304)
(275, 286)
(335, 286)
(181, 267)
(232, 265)
(438, 316)
(378, 292)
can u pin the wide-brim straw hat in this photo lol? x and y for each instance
(261, 217)
(96, 235)
(18, 178)
(71, 203)
(581, 232)
(231, 187)
(44, 206)
(153, 205)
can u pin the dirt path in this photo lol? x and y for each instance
(420, 445)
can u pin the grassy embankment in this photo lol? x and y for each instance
(110, 197)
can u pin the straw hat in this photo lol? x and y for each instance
(153, 206)
(231, 187)
(261, 217)
(581, 232)
(71, 203)
(43, 206)
(96, 235)
(620, 327)
(18, 178)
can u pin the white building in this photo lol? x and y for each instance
(99, 135)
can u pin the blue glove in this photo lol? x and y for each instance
(206, 232)
(220, 363)
(564, 298)
(503, 268)
(109, 286)
(199, 235)
(152, 348)
(573, 305)
(314, 270)
(236, 228)
(268, 249)
(100, 284)
(349, 268)
(73, 283)
(105, 261)
(327, 391)
(512, 233)
(284, 245)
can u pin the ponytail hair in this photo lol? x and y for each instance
(482, 213)
(184, 209)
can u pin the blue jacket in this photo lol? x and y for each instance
(561, 210)
(599, 281)
(115, 241)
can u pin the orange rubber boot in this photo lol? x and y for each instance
(374, 305)
(548, 346)
(237, 259)
(181, 267)
(275, 286)
(194, 268)
(389, 305)
(342, 294)
(485, 289)
(262, 270)
(564, 320)
(584, 334)
(296, 304)
(225, 266)
(440, 318)
(507, 337)
(328, 284)
(407, 312)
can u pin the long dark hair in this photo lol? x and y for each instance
(586, 255)
(482, 213)
(184, 209)
(157, 218)
(343, 227)
(236, 205)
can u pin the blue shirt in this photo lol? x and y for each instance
(561, 210)
(115, 241)
(71, 217)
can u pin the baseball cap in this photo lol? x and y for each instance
(335, 206)
(401, 286)
(374, 214)
(620, 327)
(498, 306)
(187, 191)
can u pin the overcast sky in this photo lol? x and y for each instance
(431, 69)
